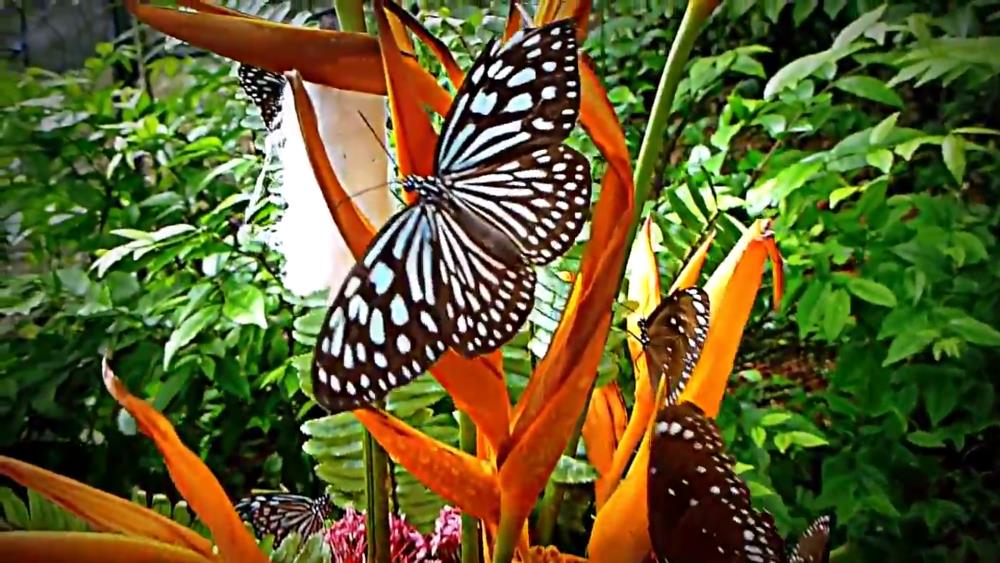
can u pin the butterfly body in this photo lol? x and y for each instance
(264, 88)
(456, 268)
(280, 514)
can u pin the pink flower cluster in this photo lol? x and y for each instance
(346, 538)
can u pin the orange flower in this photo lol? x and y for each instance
(139, 534)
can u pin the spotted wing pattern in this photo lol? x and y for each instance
(280, 514)
(673, 336)
(457, 270)
(699, 509)
(814, 544)
(264, 88)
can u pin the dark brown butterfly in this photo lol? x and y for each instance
(280, 514)
(264, 88)
(700, 510)
(676, 328)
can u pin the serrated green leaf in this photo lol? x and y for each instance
(871, 291)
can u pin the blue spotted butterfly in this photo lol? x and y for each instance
(456, 268)
(280, 514)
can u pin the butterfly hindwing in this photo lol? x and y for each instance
(814, 544)
(387, 324)
(264, 88)
(699, 509)
(517, 97)
(279, 514)
(674, 334)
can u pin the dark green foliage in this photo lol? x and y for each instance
(122, 215)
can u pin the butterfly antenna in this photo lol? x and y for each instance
(380, 141)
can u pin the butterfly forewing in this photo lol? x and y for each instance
(539, 200)
(699, 509)
(518, 97)
(264, 88)
(814, 544)
(280, 514)
(674, 334)
(387, 323)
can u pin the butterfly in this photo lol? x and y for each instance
(456, 268)
(676, 328)
(279, 514)
(700, 510)
(264, 88)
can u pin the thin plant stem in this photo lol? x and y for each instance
(470, 525)
(351, 14)
(377, 499)
(507, 535)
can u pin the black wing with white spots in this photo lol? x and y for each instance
(264, 88)
(457, 268)
(814, 544)
(280, 514)
(700, 510)
(672, 337)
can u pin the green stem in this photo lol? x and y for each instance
(351, 14)
(377, 496)
(470, 525)
(652, 142)
(507, 535)
(551, 503)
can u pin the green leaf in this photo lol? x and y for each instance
(802, 10)
(881, 159)
(15, 512)
(774, 418)
(840, 194)
(940, 401)
(245, 305)
(925, 439)
(869, 88)
(187, 331)
(858, 27)
(882, 130)
(871, 291)
(790, 75)
(953, 152)
(838, 312)
(799, 438)
(572, 471)
(908, 344)
(975, 331)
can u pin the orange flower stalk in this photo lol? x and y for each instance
(732, 289)
(147, 535)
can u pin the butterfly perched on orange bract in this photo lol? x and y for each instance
(280, 514)
(699, 509)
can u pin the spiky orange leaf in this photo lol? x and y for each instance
(90, 547)
(463, 480)
(732, 289)
(103, 511)
(602, 431)
(555, 396)
(193, 479)
(618, 539)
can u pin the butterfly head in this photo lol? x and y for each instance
(424, 186)
(643, 325)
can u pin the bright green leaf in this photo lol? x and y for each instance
(838, 312)
(869, 88)
(871, 291)
(975, 331)
(187, 331)
(881, 159)
(245, 305)
(953, 152)
(882, 130)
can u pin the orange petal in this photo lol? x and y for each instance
(602, 430)
(554, 398)
(688, 277)
(618, 539)
(191, 476)
(103, 511)
(90, 547)
(461, 479)
(550, 554)
(440, 50)
(579, 10)
(732, 289)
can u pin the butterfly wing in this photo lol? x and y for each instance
(279, 514)
(699, 509)
(386, 325)
(676, 332)
(814, 544)
(264, 88)
(500, 149)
